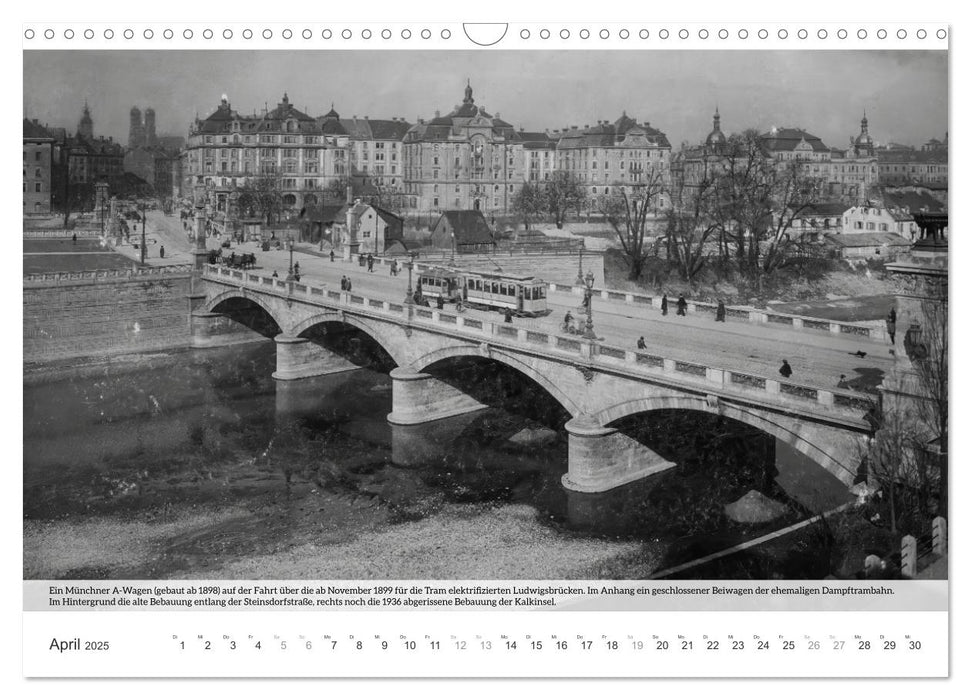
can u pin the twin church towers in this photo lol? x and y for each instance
(141, 133)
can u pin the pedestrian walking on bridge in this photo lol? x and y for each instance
(682, 305)
(664, 305)
(785, 370)
(332, 256)
(161, 251)
(641, 345)
(720, 311)
(370, 263)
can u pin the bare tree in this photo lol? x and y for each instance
(261, 197)
(908, 455)
(563, 193)
(336, 190)
(528, 203)
(757, 199)
(628, 207)
(792, 192)
(690, 225)
(928, 348)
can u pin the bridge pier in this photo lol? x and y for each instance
(297, 358)
(420, 398)
(603, 458)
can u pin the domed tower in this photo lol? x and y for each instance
(136, 131)
(150, 137)
(716, 139)
(86, 125)
(863, 144)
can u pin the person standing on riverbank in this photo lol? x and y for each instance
(892, 326)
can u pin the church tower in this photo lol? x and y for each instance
(136, 130)
(150, 138)
(863, 144)
(86, 125)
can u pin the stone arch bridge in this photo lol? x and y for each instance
(597, 384)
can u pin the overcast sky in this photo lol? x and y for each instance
(825, 92)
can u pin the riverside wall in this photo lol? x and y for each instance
(68, 315)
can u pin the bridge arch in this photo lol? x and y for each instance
(369, 329)
(491, 353)
(257, 299)
(817, 444)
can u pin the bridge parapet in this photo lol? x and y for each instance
(734, 313)
(591, 357)
(57, 278)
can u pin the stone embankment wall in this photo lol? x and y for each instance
(70, 315)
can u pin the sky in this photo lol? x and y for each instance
(905, 94)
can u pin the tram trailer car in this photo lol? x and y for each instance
(523, 295)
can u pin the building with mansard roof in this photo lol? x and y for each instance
(374, 150)
(467, 159)
(794, 144)
(624, 152)
(228, 149)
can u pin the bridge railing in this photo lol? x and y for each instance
(590, 353)
(61, 233)
(55, 278)
(732, 313)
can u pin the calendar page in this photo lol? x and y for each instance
(409, 348)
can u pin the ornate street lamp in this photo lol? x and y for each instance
(580, 264)
(290, 248)
(588, 331)
(409, 296)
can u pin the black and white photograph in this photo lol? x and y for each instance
(485, 315)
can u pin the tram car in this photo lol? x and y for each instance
(523, 295)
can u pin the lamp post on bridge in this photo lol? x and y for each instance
(290, 248)
(588, 331)
(409, 296)
(580, 264)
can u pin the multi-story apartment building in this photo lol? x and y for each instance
(903, 166)
(227, 150)
(467, 159)
(374, 150)
(624, 152)
(39, 155)
(848, 175)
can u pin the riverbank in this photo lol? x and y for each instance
(199, 465)
(834, 290)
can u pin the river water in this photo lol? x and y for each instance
(198, 464)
